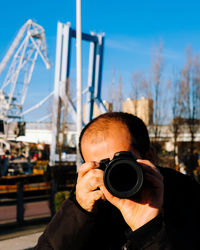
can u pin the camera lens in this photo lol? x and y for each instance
(123, 178)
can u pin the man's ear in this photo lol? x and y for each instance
(151, 155)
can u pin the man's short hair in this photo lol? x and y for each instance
(138, 131)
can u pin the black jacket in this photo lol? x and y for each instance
(177, 227)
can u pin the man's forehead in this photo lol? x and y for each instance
(99, 131)
(101, 143)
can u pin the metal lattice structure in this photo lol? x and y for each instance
(62, 101)
(21, 57)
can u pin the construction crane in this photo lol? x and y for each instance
(21, 57)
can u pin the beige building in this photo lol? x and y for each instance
(143, 108)
(97, 111)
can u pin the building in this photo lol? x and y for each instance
(97, 111)
(143, 108)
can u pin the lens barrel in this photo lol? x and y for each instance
(123, 176)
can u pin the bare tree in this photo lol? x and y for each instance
(146, 88)
(62, 127)
(191, 83)
(120, 93)
(157, 70)
(115, 95)
(178, 96)
(136, 80)
(112, 89)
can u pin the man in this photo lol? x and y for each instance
(165, 214)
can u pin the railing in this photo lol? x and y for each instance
(18, 190)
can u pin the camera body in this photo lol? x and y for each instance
(123, 176)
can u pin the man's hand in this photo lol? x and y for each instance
(147, 204)
(87, 189)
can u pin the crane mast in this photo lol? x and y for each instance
(13, 46)
(28, 44)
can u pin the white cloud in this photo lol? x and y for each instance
(143, 47)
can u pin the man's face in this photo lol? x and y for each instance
(115, 139)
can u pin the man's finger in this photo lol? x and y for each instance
(157, 182)
(149, 167)
(97, 195)
(86, 167)
(94, 179)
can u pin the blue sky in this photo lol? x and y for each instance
(132, 29)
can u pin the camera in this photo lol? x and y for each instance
(123, 176)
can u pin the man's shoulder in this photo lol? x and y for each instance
(179, 186)
(171, 175)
